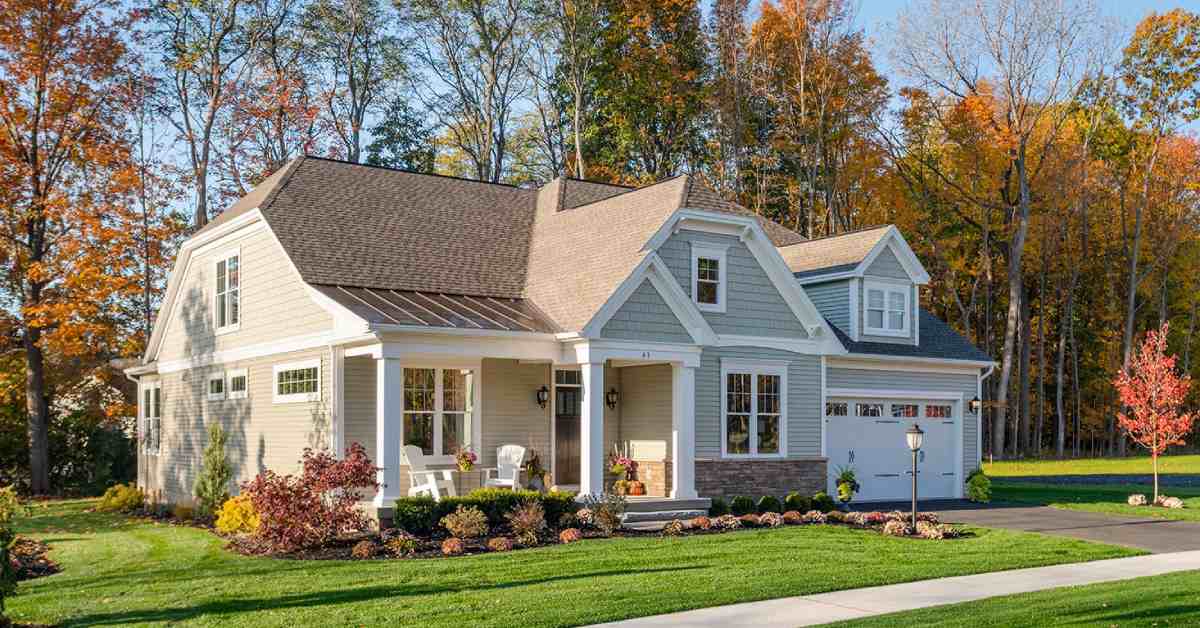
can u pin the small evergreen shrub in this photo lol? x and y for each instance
(770, 519)
(364, 549)
(415, 515)
(237, 516)
(823, 502)
(122, 498)
(467, 522)
(421, 515)
(979, 486)
(769, 503)
(500, 544)
(212, 484)
(793, 517)
(674, 527)
(570, 535)
(797, 502)
(741, 505)
(527, 521)
(453, 546)
(718, 507)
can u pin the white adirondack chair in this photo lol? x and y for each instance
(424, 480)
(509, 459)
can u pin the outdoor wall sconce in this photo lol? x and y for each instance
(543, 396)
(610, 398)
(975, 404)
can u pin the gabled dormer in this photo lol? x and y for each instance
(866, 283)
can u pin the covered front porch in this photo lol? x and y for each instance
(569, 402)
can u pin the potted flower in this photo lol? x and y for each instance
(847, 486)
(466, 459)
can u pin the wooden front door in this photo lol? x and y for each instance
(567, 408)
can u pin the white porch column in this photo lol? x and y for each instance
(683, 431)
(389, 385)
(591, 433)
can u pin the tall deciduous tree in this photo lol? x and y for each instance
(577, 27)
(1154, 394)
(66, 183)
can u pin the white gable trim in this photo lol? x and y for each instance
(895, 241)
(655, 270)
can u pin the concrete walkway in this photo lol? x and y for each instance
(823, 608)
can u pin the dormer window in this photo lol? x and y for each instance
(227, 304)
(708, 277)
(886, 309)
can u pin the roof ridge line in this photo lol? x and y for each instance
(628, 191)
(414, 172)
(842, 234)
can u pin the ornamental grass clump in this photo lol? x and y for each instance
(466, 522)
(770, 519)
(500, 544)
(527, 521)
(402, 544)
(608, 512)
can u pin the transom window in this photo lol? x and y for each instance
(438, 408)
(755, 417)
(227, 304)
(151, 428)
(299, 381)
(708, 277)
(886, 309)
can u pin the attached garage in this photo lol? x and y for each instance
(866, 433)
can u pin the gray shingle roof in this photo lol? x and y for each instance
(824, 255)
(938, 340)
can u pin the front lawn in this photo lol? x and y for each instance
(1106, 498)
(1167, 600)
(122, 571)
(1182, 465)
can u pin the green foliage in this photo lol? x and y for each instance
(979, 487)
(212, 484)
(87, 454)
(742, 505)
(718, 507)
(608, 510)
(466, 522)
(796, 501)
(415, 515)
(421, 514)
(122, 498)
(237, 516)
(10, 505)
(823, 502)
(769, 503)
(847, 484)
(402, 139)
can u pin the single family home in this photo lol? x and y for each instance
(339, 303)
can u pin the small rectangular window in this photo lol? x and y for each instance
(939, 411)
(227, 304)
(904, 410)
(708, 280)
(216, 387)
(709, 276)
(237, 384)
(151, 424)
(836, 408)
(298, 382)
(868, 410)
(568, 377)
(886, 310)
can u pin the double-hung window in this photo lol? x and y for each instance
(754, 409)
(227, 305)
(438, 408)
(151, 428)
(298, 381)
(709, 277)
(886, 311)
(216, 387)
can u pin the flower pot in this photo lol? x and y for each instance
(465, 467)
(637, 488)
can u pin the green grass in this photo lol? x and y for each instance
(122, 571)
(1185, 465)
(1105, 498)
(1167, 600)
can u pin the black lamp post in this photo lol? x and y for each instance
(915, 437)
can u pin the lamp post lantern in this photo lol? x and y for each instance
(914, 436)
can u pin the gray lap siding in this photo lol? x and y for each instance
(645, 316)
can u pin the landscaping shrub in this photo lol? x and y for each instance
(212, 484)
(89, 451)
(936, 531)
(1137, 499)
(741, 505)
(607, 512)
(797, 502)
(1170, 502)
(9, 506)
(718, 507)
(183, 513)
(814, 516)
(584, 516)
(749, 520)
(769, 503)
(847, 484)
(500, 544)
(701, 523)
(874, 518)
(316, 506)
(527, 521)
(570, 535)
(674, 527)
(979, 486)
(726, 522)
(835, 516)
(421, 514)
(467, 522)
(568, 520)
(402, 544)
(237, 516)
(852, 518)
(122, 498)
(822, 502)
(793, 517)
(364, 549)
(415, 515)
(453, 546)
(896, 528)
(770, 519)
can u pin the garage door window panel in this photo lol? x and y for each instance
(905, 410)
(868, 410)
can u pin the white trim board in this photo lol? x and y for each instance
(652, 268)
(249, 352)
(874, 362)
(882, 393)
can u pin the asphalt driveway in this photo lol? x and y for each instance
(1153, 535)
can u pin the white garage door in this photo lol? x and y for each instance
(867, 435)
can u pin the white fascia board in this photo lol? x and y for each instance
(893, 363)
(885, 393)
(814, 279)
(248, 352)
(895, 241)
(424, 346)
(652, 268)
(795, 345)
(598, 351)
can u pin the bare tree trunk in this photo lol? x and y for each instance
(1024, 444)
(38, 411)
(1060, 435)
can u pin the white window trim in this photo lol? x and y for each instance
(150, 424)
(295, 397)
(439, 410)
(239, 394)
(225, 256)
(710, 251)
(211, 396)
(754, 368)
(887, 287)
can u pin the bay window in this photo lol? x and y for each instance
(754, 409)
(438, 408)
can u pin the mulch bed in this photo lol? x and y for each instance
(32, 559)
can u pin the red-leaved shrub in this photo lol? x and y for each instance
(306, 510)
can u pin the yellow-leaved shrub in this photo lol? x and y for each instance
(237, 515)
(122, 498)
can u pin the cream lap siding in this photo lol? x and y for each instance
(754, 306)
(358, 402)
(832, 300)
(261, 434)
(511, 415)
(274, 303)
(646, 316)
(646, 404)
(899, 379)
(804, 399)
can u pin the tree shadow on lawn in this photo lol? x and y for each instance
(1168, 613)
(333, 597)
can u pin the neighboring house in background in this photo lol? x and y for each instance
(340, 303)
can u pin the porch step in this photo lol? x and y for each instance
(661, 516)
(663, 504)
